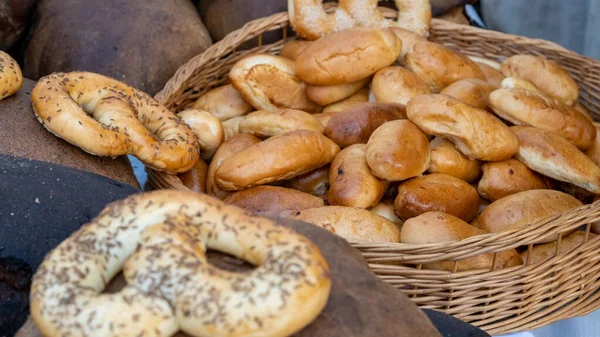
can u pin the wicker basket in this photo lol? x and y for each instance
(499, 301)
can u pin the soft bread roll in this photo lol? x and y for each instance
(269, 82)
(207, 128)
(195, 179)
(293, 48)
(352, 224)
(440, 66)
(231, 146)
(315, 182)
(231, 127)
(362, 96)
(223, 102)
(475, 132)
(482, 60)
(523, 209)
(436, 192)
(490, 70)
(324, 117)
(546, 74)
(398, 150)
(278, 158)
(472, 91)
(542, 252)
(273, 201)
(397, 85)
(524, 107)
(438, 227)
(408, 39)
(446, 158)
(386, 210)
(348, 56)
(325, 95)
(594, 151)
(503, 178)
(555, 157)
(265, 124)
(357, 123)
(351, 182)
(518, 83)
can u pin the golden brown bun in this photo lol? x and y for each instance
(269, 82)
(362, 96)
(523, 209)
(555, 157)
(503, 178)
(446, 158)
(397, 85)
(351, 182)
(584, 111)
(266, 124)
(357, 123)
(472, 91)
(273, 201)
(518, 83)
(386, 210)
(542, 252)
(325, 95)
(207, 128)
(315, 182)
(492, 75)
(440, 66)
(278, 158)
(352, 224)
(223, 102)
(436, 192)
(348, 56)
(546, 74)
(398, 150)
(324, 117)
(293, 48)
(524, 107)
(195, 179)
(233, 145)
(231, 127)
(594, 151)
(408, 39)
(437, 227)
(475, 132)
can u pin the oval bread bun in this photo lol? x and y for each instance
(503, 178)
(523, 209)
(278, 158)
(446, 158)
(438, 227)
(362, 96)
(472, 91)
(273, 201)
(397, 150)
(356, 124)
(352, 224)
(195, 179)
(315, 182)
(544, 251)
(292, 49)
(555, 157)
(440, 66)
(325, 95)
(348, 56)
(231, 127)
(408, 39)
(490, 70)
(386, 210)
(223, 102)
(351, 182)
(437, 192)
(397, 85)
(269, 82)
(475, 132)
(231, 146)
(518, 83)
(266, 124)
(207, 128)
(524, 107)
(546, 74)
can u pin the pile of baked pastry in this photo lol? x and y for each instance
(381, 136)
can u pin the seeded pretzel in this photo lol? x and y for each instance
(159, 239)
(105, 117)
(310, 20)
(11, 78)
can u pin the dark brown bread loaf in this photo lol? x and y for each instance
(141, 43)
(21, 135)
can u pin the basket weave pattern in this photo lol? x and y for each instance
(499, 301)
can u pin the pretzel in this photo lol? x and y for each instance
(11, 78)
(159, 239)
(105, 117)
(311, 21)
